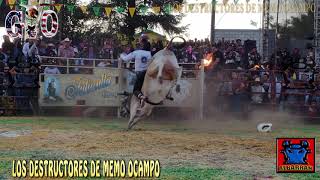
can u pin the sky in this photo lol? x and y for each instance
(230, 14)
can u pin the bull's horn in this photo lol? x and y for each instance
(169, 46)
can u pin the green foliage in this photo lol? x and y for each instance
(75, 24)
(97, 24)
(299, 27)
(70, 20)
(5, 9)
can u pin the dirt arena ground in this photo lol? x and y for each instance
(211, 149)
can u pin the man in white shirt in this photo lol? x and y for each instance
(30, 49)
(257, 91)
(142, 58)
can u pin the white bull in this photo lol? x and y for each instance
(162, 75)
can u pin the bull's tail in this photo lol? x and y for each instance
(170, 44)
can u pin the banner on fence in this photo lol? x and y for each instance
(99, 89)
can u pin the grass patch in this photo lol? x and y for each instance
(303, 176)
(199, 173)
(6, 158)
(5, 169)
(16, 121)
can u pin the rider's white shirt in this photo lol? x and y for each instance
(141, 59)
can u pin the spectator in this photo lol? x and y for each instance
(239, 43)
(30, 51)
(218, 59)
(310, 63)
(257, 91)
(230, 60)
(286, 60)
(157, 47)
(3, 57)
(42, 48)
(91, 52)
(51, 50)
(224, 91)
(66, 50)
(254, 58)
(84, 53)
(189, 56)
(125, 51)
(107, 50)
(51, 70)
(7, 46)
(2, 65)
(238, 93)
(313, 109)
(296, 55)
(17, 51)
(266, 86)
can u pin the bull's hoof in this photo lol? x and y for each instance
(160, 79)
(170, 98)
(130, 125)
(178, 88)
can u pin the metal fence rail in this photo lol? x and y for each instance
(294, 96)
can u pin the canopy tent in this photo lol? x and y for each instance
(153, 36)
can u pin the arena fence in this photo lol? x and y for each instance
(299, 97)
(98, 82)
(20, 97)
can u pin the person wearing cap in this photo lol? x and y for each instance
(254, 57)
(141, 58)
(257, 91)
(51, 50)
(66, 50)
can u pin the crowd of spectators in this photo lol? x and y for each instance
(242, 74)
(242, 77)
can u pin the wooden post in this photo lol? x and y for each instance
(273, 89)
(201, 89)
(120, 81)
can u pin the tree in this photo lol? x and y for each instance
(126, 24)
(78, 25)
(303, 26)
(5, 9)
(299, 27)
(70, 21)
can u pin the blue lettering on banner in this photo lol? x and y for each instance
(85, 87)
(107, 94)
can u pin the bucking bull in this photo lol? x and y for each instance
(161, 77)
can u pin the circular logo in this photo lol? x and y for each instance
(70, 92)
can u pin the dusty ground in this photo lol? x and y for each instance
(217, 149)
